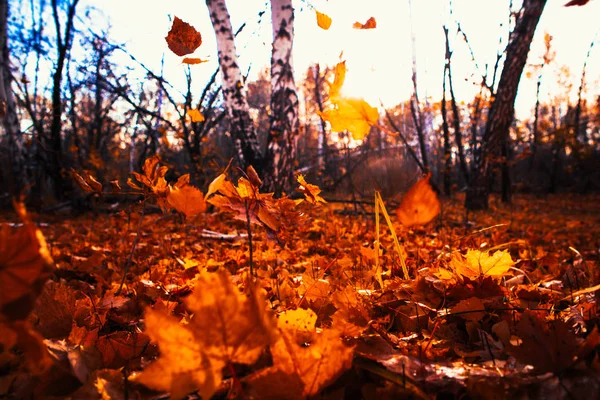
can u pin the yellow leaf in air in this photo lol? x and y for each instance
(187, 200)
(477, 263)
(353, 115)
(419, 205)
(195, 115)
(323, 20)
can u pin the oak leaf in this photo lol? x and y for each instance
(419, 205)
(183, 39)
(323, 20)
(371, 23)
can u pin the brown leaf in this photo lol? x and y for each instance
(311, 192)
(188, 200)
(193, 61)
(576, 3)
(183, 39)
(471, 309)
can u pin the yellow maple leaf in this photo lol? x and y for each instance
(227, 327)
(477, 263)
(353, 115)
(195, 115)
(419, 205)
(323, 20)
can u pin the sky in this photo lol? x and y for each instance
(379, 61)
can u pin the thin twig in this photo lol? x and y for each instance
(133, 246)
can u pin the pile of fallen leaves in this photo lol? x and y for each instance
(235, 294)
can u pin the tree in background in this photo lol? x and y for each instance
(501, 114)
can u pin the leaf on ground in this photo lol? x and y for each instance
(187, 200)
(550, 346)
(480, 263)
(323, 20)
(471, 309)
(419, 205)
(371, 23)
(227, 327)
(25, 264)
(183, 39)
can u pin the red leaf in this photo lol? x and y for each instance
(183, 39)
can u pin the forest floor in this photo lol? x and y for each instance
(322, 314)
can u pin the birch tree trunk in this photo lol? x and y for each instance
(281, 144)
(501, 114)
(14, 174)
(248, 151)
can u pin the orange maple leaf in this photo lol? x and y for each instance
(187, 200)
(183, 39)
(419, 205)
(227, 327)
(477, 263)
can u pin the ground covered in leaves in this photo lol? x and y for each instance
(497, 304)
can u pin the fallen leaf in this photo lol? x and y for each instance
(477, 263)
(311, 192)
(323, 20)
(183, 39)
(471, 309)
(419, 205)
(371, 23)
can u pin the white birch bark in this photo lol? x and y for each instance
(284, 101)
(16, 163)
(234, 92)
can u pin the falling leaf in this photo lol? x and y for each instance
(187, 200)
(419, 205)
(370, 24)
(183, 39)
(323, 20)
(477, 263)
(25, 264)
(311, 192)
(195, 115)
(338, 79)
(576, 3)
(353, 115)
(193, 61)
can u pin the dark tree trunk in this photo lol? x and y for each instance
(445, 128)
(501, 114)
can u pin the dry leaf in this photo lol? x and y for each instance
(477, 263)
(370, 24)
(471, 309)
(576, 3)
(311, 192)
(188, 200)
(353, 115)
(323, 20)
(338, 79)
(25, 264)
(183, 39)
(419, 205)
(193, 61)
(195, 115)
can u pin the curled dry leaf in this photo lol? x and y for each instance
(419, 205)
(311, 192)
(323, 20)
(371, 23)
(193, 61)
(183, 39)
